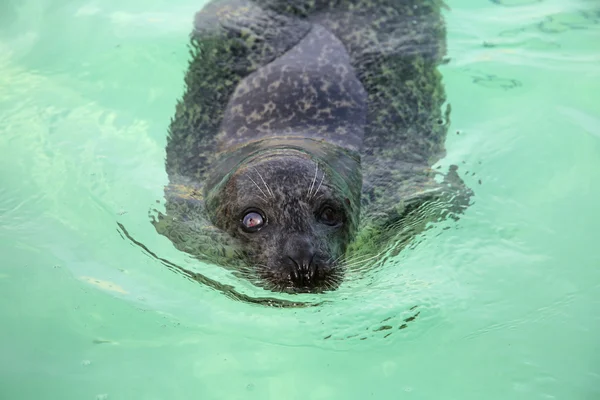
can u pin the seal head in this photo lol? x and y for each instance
(292, 215)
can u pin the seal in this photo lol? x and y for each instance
(303, 144)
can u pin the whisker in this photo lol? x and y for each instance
(314, 180)
(337, 259)
(264, 198)
(332, 281)
(265, 183)
(319, 187)
(320, 196)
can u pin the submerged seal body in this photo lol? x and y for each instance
(306, 133)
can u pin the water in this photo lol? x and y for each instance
(507, 299)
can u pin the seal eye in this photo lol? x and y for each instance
(252, 221)
(329, 216)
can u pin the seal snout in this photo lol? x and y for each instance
(304, 274)
(300, 257)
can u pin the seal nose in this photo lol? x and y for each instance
(300, 252)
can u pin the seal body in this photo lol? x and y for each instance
(306, 135)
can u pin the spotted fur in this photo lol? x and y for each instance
(349, 85)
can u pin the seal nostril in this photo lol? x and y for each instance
(296, 272)
(295, 264)
(299, 259)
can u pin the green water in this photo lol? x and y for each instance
(508, 298)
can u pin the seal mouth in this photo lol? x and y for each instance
(301, 279)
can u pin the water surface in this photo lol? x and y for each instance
(503, 304)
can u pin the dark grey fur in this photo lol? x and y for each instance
(292, 107)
